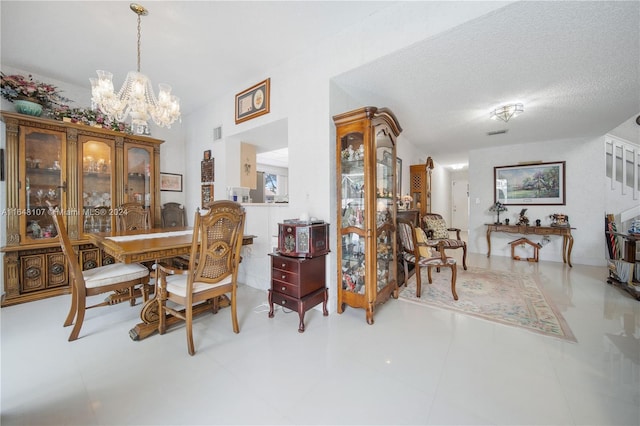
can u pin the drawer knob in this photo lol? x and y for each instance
(283, 288)
(283, 265)
(283, 277)
(284, 301)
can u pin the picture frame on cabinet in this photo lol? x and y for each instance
(253, 102)
(532, 184)
(170, 182)
(207, 155)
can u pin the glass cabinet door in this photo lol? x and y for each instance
(42, 181)
(385, 211)
(353, 220)
(138, 183)
(97, 182)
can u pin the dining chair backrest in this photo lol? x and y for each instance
(132, 216)
(220, 232)
(173, 215)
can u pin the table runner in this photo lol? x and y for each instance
(148, 236)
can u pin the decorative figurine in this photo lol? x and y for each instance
(538, 222)
(522, 219)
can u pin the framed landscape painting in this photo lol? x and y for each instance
(530, 184)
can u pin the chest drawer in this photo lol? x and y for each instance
(289, 277)
(288, 264)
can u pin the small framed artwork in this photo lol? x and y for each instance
(540, 184)
(170, 182)
(206, 195)
(253, 102)
(207, 155)
(207, 170)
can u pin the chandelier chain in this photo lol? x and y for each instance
(139, 31)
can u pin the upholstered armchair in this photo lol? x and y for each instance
(438, 232)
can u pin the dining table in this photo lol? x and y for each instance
(151, 245)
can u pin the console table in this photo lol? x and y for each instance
(563, 231)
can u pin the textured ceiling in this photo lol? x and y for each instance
(575, 65)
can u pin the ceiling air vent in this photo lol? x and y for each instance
(497, 132)
(217, 133)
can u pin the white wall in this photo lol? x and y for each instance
(585, 198)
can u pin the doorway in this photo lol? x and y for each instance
(460, 204)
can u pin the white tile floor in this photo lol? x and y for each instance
(415, 365)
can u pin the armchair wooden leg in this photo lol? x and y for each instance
(464, 257)
(454, 271)
(132, 295)
(419, 281)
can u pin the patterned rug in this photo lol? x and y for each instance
(504, 297)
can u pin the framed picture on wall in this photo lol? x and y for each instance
(206, 195)
(207, 170)
(530, 184)
(170, 182)
(253, 102)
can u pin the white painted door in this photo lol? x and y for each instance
(460, 204)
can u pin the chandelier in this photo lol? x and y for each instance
(136, 98)
(505, 112)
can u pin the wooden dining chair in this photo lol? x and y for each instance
(213, 267)
(116, 277)
(132, 216)
(410, 254)
(173, 215)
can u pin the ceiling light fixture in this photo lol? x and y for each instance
(136, 98)
(505, 112)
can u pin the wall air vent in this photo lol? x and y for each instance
(217, 133)
(497, 132)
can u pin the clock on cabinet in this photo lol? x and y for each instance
(302, 238)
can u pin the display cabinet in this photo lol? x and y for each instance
(366, 194)
(419, 178)
(84, 171)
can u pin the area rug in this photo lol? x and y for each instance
(510, 298)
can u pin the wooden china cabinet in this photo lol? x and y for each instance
(84, 171)
(419, 179)
(366, 186)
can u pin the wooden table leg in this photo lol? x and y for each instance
(489, 242)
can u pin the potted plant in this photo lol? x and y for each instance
(28, 93)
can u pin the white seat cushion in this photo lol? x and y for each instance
(177, 284)
(114, 273)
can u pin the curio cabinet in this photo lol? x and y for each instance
(366, 200)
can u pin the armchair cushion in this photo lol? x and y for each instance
(421, 237)
(438, 226)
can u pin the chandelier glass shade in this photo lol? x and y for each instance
(136, 98)
(506, 112)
